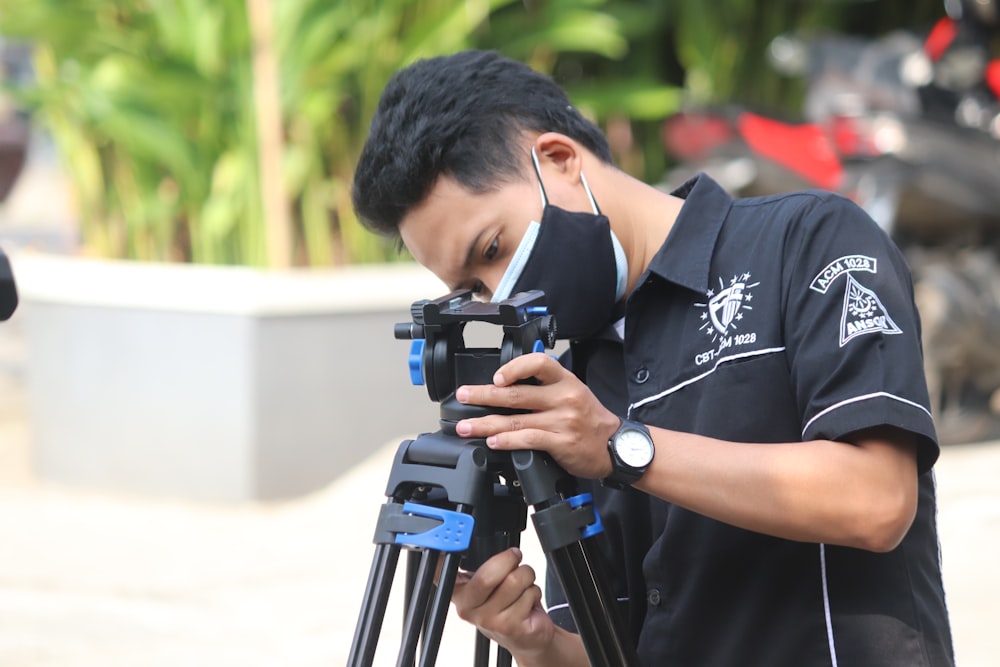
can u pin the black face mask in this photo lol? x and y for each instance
(576, 260)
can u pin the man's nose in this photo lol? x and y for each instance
(491, 280)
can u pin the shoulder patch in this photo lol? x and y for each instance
(863, 313)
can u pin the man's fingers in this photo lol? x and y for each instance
(538, 365)
(505, 606)
(509, 389)
(518, 396)
(476, 590)
(511, 617)
(484, 427)
(462, 578)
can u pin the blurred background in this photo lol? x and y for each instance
(199, 391)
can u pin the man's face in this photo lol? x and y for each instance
(467, 239)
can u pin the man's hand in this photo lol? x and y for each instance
(565, 419)
(504, 602)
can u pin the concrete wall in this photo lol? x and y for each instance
(272, 392)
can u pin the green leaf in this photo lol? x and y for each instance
(642, 100)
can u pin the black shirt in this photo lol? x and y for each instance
(775, 319)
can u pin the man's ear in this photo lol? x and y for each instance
(559, 153)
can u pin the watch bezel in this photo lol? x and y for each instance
(623, 473)
(623, 452)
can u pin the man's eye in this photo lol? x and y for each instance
(493, 249)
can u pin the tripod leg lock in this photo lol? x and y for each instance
(416, 525)
(567, 522)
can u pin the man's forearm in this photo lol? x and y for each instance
(861, 495)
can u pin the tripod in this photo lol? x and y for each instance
(466, 470)
(456, 501)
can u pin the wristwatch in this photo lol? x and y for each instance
(631, 449)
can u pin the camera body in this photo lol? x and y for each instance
(8, 291)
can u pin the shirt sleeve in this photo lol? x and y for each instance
(851, 328)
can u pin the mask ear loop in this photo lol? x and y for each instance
(590, 195)
(541, 187)
(538, 174)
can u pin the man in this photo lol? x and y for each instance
(744, 395)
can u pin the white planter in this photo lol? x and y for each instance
(215, 383)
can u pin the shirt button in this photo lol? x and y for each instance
(653, 597)
(641, 375)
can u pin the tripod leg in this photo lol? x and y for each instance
(482, 653)
(590, 601)
(482, 650)
(373, 606)
(439, 609)
(564, 526)
(417, 609)
(410, 579)
(481, 656)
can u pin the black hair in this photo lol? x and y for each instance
(459, 115)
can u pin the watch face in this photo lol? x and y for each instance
(634, 448)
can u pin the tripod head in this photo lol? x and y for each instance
(439, 357)
(8, 292)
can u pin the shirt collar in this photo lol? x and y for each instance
(685, 257)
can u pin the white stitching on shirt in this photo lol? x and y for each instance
(940, 563)
(565, 605)
(856, 399)
(826, 606)
(720, 361)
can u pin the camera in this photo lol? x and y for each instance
(439, 357)
(8, 291)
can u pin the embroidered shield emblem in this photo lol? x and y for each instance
(724, 306)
